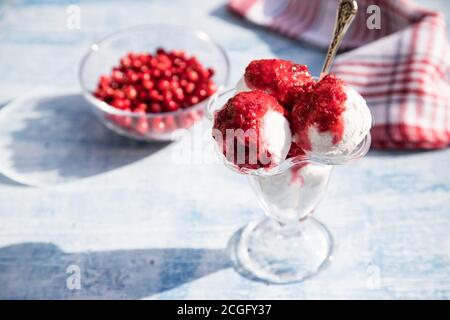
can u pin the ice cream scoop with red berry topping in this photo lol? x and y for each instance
(252, 130)
(282, 79)
(330, 118)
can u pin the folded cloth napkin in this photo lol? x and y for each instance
(401, 69)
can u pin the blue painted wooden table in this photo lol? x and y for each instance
(142, 226)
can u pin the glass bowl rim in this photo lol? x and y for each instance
(103, 106)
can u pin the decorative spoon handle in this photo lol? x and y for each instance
(345, 14)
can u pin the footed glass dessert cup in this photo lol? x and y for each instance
(288, 245)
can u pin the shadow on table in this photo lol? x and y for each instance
(58, 139)
(400, 153)
(281, 46)
(39, 271)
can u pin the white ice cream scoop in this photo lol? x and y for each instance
(254, 132)
(357, 122)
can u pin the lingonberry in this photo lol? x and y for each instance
(155, 107)
(141, 107)
(190, 87)
(156, 73)
(156, 83)
(163, 85)
(146, 76)
(194, 100)
(171, 105)
(192, 75)
(155, 96)
(131, 92)
(148, 84)
(119, 94)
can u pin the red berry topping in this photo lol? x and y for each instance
(295, 151)
(320, 106)
(280, 78)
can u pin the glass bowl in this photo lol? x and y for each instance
(289, 244)
(106, 53)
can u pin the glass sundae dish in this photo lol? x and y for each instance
(285, 130)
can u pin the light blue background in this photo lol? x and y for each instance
(147, 228)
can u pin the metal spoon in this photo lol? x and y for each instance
(345, 14)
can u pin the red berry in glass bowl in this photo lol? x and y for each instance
(157, 86)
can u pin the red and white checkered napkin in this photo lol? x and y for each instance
(402, 69)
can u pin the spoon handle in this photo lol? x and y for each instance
(346, 13)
